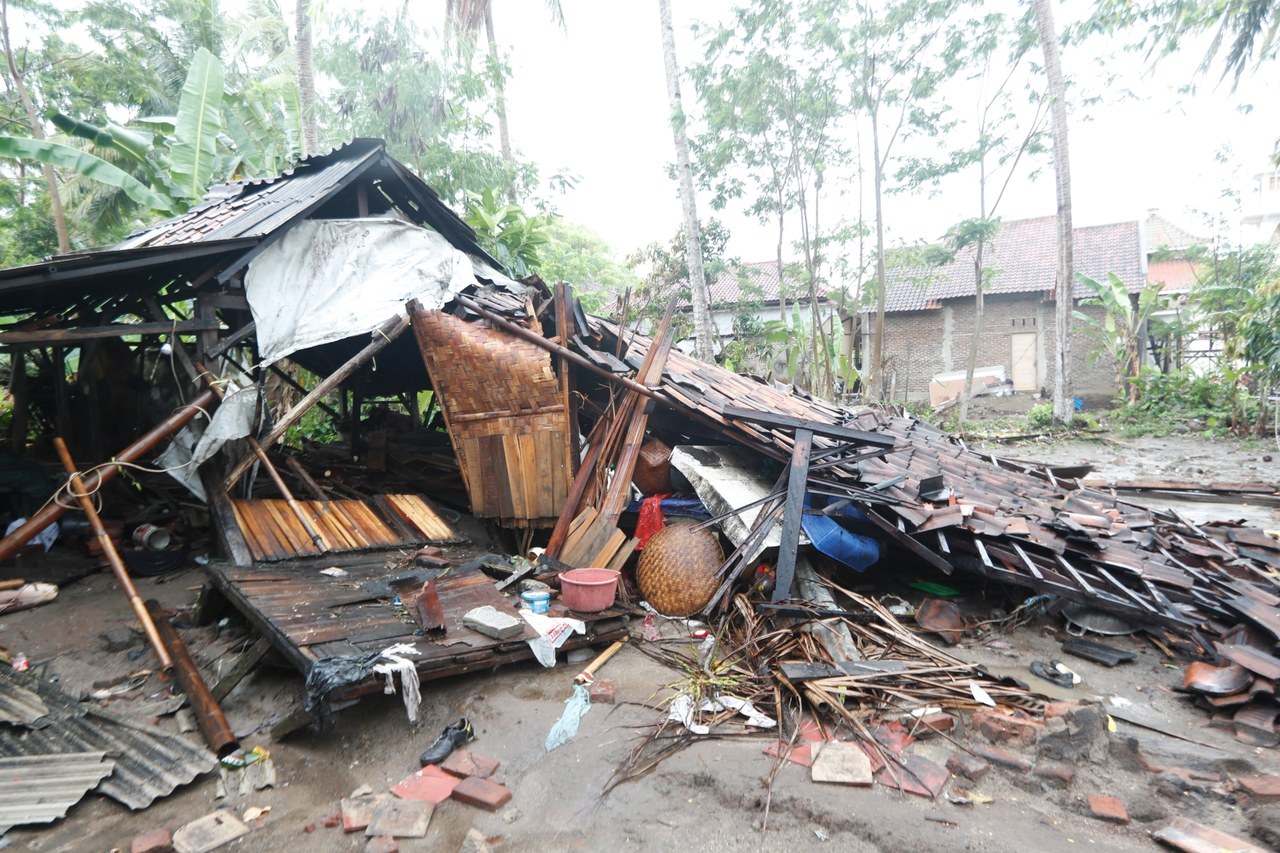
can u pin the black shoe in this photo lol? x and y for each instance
(453, 736)
(1050, 672)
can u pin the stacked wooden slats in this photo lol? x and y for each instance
(506, 417)
(427, 521)
(273, 531)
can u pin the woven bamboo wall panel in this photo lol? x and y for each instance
(506, 417)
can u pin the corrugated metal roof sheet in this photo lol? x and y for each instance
(19, 705)
(1023, 258)
(253, 209)
(40, 788)
(149, 762)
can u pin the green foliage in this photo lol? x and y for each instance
(400, 83)
(1040, 415)
(513, 238)
(577, 255)
(667, 273)
(1181, 401)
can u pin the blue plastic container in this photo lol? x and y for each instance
(536, 600)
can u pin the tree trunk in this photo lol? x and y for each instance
(693, 244)
(37, 131)
(499, 92)
(875, 379)
(1063, 407)
(306, 79)
(967, 391)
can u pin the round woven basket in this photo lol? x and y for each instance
(677, 571)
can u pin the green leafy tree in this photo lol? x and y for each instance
(666, 274)
(506, 232)
(773, 103)
(898, 53)
(1002, 135)
(395, 81)
(576, 254)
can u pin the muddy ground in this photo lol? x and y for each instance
(712, 796)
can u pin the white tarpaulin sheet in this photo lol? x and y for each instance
(329, 279)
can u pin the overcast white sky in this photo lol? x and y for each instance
(592, 99)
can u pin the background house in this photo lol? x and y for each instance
(929, 318)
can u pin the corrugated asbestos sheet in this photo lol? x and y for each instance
(149, 762)
(40, 788)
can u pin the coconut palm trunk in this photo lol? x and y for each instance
(693, 244)
(1063, 407)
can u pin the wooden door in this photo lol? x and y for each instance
(1023, 370)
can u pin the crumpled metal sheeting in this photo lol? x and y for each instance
(40, 788)
(149, 762)
(19, 703)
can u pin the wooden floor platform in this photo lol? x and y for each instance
(307, 615)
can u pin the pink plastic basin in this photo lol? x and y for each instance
(588, 590)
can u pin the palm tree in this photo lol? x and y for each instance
(692, 242)
(463, 20)
(1063, 406)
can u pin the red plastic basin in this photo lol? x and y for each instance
(588, 590)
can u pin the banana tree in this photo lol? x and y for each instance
(166, 164)
(1119, 330)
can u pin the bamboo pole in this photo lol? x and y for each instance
(113, 557)
(297, 509)
(209, 717)
(383, 336)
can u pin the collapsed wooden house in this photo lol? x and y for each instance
(546, 412)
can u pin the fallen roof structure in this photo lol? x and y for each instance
(546, 413)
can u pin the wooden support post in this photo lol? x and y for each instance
(383, 336)
(113, 557)
(62, 417)
(19, 391)
(797, 478)
(563, 322)
(206, 339)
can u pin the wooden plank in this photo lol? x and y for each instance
(797, 478)
(116, 330)
(255, 547)
(623, 554)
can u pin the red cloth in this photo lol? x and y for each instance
(651, 520)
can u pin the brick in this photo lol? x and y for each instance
(482, 793)
(462, 763)
(381, 844)
(331, 821)
(603, 692)
(1003, 758)
(1261, 789)
(933, 723)
(156, 841)
(358, 811)
(1006, 728)
(430, 784)
(1059, 709)
(1055, 772)
(970, 767)
(1108, 808)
